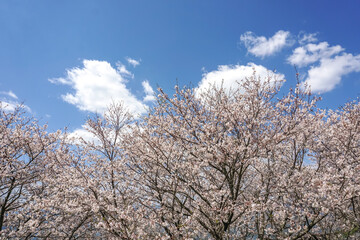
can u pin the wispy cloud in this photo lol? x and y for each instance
(132, 61)
(10, 94)
(150, 94)
(307, 37)
(262, 47)
(96, 85)
(227, 76)
(123, 71)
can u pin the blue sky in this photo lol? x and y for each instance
(68, 59)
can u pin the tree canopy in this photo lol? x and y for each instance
(243, 163)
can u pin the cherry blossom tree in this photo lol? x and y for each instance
(24, 147)
(89, 192)
(338, 161)
(241, 163)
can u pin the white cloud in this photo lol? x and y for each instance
(228, 76)
(60, 81)
(132, 61)
(122, 70)
(11, 104)
(328, 64)
(328, 74)
(261, 46)
(310, 53)
(7, 106)
(96, 85)
(150, 94)
(307, 38)
(10, 94)
(82, 133)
